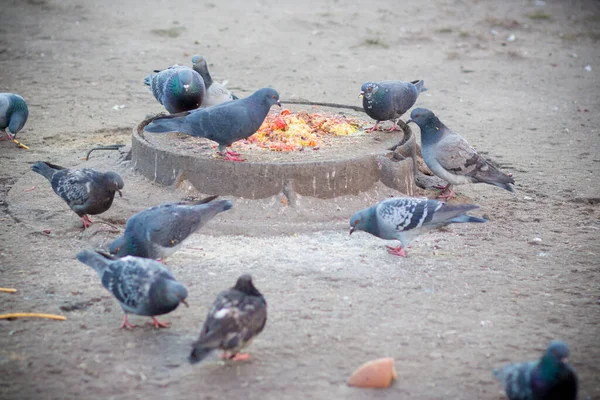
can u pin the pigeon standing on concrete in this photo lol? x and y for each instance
(237, 316)
(13, 114)
(405, 218)
(159, 231)
(216, 93)
(389, 100)
(225, 123)
(178, 88)
(86, 191)
(451, 158)
(549, 378)
(141, 286)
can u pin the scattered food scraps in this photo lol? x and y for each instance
(32, 315)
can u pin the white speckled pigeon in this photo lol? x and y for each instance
(86, 191)
(13, 114)
(237, 316)
(405, 218)
(548, 378)
(178, 88)
(159, 231)
(451, 157)
(141, 286)
(216, 93)
(389, 100)
(224, 123)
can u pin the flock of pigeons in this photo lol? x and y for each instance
(132, 269)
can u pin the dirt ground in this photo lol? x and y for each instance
(510, 76)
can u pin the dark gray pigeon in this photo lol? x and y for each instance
(216, 93)
(13, 114)
(549, 378)
(237, 316)
(141, 286)
(389, 100)
(451, 158)
(86, 191)
(159, 231)
(178, 88)
(225, 123)
(405, 218)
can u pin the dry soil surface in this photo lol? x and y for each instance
(518, 79)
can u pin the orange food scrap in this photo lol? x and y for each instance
(374, 374)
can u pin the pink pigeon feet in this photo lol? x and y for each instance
(374, 128)
(443, 194)
(235, 357)
(86, 221)
(157, 324)
(126, 324)
(394, 127)
(231, 155)
(397, 251)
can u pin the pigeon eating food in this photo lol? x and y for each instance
(216, 93)
(86, 191)
(450, 157)
(159, 231)
(549, 378)
(237, 316)
(389, 100)
(13, 114)
(177, 88)
(141, 286)
(225, 123)
(405, 218)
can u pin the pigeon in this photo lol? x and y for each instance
(216, 93)
(224, 123)
(451, 158)
(548, 378)
(13, 114)
(405, 218)
(141, 286)
(159, 231)
(86, 191)
(389, 100)
(237, 316)
(178, 88)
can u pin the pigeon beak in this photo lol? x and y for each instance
(186, 87)
(186, 303)
(278, 103)
(351, 230)
(120, 194)
(362, 93)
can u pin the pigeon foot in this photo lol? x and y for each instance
(157, 324)
(86, 221)
(126, 324)
(397, 251)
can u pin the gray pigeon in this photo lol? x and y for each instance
(237, 316)
(141, 286)
(159, 231)
(224, 123)
(389, 100)
(216, 93)
(13, 114)
(451, 158)
(549, 378)
(405, 218)
(178, 88)
(86, 191)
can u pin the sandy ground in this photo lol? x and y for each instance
(465, 300)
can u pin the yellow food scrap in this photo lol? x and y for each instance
(7, 290)
(32, 315)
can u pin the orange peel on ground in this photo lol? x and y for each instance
(20, 144)
(32, 315)
(377, 374)
(7, 290)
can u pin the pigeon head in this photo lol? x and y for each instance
(424, 118)
(361, 221)
(118, 246)
(114, 182)
(368, 89)
(170, 293)
(244, 284)
(198, 60)
(551, 363)
(268, 96)
(187, 81)
(558, 350)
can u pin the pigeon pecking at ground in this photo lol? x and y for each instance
(178, 88)
(159, 231)
(225, 123)
(548, 378)
(451, 158)
(405, 218)
(141, 286)
(237, 316)
(389, 100)
(13, 114)
(86, 191)
(216, 93)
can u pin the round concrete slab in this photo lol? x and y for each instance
(343, 165)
